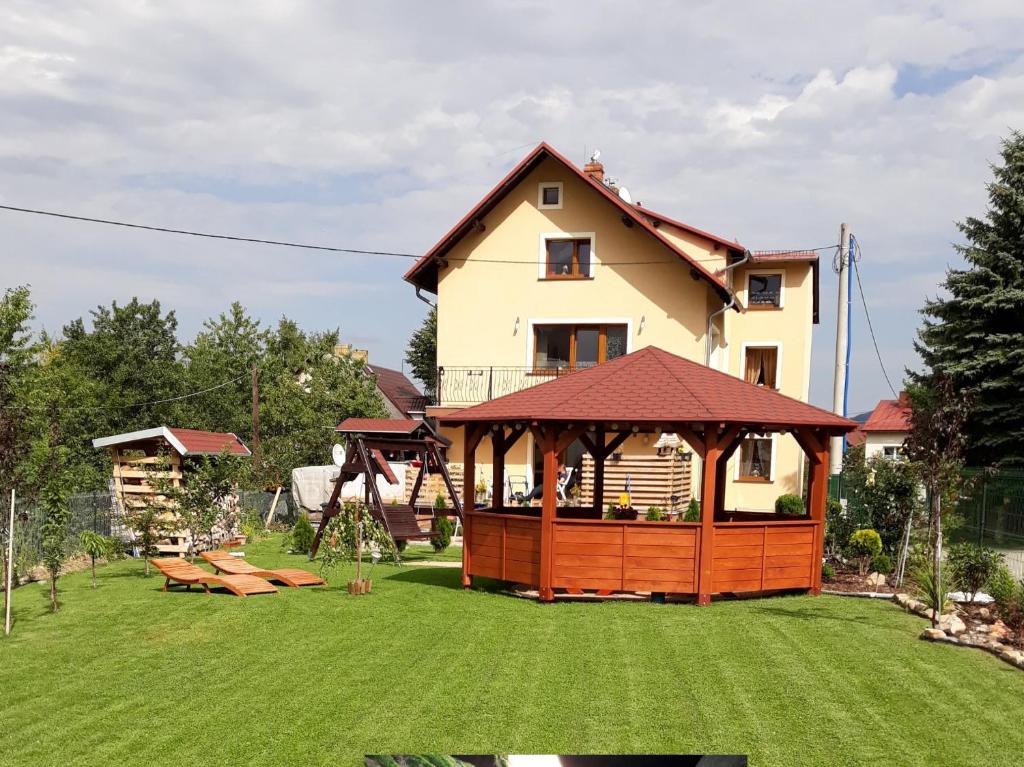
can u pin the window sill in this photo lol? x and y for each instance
(762, 307)
(564, 277)
(755, 480)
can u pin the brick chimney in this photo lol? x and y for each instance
(595, 170)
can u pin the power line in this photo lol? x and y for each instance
(867, 315)
(333, 249)
(133, 404)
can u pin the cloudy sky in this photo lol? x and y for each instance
(377, 125)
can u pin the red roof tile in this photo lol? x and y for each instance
(385, 425)
(424, 272)
(652, 386)
(402, 392)
(889, 415)
(209, 442)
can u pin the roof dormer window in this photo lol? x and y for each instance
(549, 195)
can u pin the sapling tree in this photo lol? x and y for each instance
(54, 536)
(936, 445)
(96, 546)
(150, 523)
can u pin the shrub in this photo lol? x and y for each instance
(828, 572)
(96, 546)
(252, 526)
(932, 591)
(839, 526)
(881, 563)
(972, 566)
(440, 502)
(608, 514)
(1001, 586)
(692, 511)
(300, 540)
(444, 528)
(865, 544)
(790, 504)
(654, 514)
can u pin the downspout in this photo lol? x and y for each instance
(423, 298)
(726, 307)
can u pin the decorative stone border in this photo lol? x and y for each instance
(952, 630)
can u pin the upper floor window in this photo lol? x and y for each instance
(764, 290)
(572, 347)
(761, 366)
(893, 452)
(567, 259)
(549, 195)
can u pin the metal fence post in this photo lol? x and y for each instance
(984, 504)
(490, 383)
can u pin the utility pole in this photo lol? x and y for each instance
(255, 415)
(9, 570)
(842, 346)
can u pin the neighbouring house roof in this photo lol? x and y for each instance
(656, 387)
(890, 415)
(380, 425)
(184, 441)
(398, 389)
(424, 272)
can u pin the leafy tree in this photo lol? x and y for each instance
(201, 500)
(96, 546)
(881, 494)
(17, 352)
(936, 444)
(151, 524)
(54, 536)
(421, 354)
(975, 337)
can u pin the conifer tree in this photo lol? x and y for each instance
(975, 336)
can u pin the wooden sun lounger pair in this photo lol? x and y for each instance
(244, 581)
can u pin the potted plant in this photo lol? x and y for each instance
(481, 491)
(654, 514)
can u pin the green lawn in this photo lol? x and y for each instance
(128, 674)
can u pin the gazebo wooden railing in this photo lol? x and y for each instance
(649, 391)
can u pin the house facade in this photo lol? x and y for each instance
(556, 270)
(886, 429)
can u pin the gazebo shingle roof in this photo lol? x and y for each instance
(652, 386)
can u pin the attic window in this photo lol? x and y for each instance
(549, 195)
(764, 291)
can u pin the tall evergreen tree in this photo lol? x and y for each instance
(421, 353)
(976, 335)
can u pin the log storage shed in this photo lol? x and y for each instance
(134, 455)
(573, 550)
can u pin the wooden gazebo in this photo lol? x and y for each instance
(648, 391)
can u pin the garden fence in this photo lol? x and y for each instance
(92, 511)
(992, 512)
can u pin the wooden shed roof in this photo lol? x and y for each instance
(184, 441)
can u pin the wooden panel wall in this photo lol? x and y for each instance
(506, 548)
(654, 479)
(433, 484)
(625, 556)
(760, 557)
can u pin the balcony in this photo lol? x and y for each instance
(465, 386)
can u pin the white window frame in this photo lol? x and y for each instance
(771, 474)
(542, 252)
(548, 185)
(534, 321)
(767, 272)
(777, 345)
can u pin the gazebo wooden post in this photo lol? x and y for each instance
(815, 446)
(499, 445)
(599, 458)
(708, 496)
(473, 435)
(549, 504)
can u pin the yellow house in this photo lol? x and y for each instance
(556, 269)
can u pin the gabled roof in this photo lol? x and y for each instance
(654, 387)
(423, 273)
(889, 415)
(401, 392)
(663, 219)
(184, 441)
(380, 425)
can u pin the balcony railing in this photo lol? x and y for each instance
(464, 386)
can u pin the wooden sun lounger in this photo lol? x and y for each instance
(223, 562)
(181, 572)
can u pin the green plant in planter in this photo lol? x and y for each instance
(692, 511)
(865, 544)
(610, 511)
(654, 514)
(790, 504)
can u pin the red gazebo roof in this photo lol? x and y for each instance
(655, 387)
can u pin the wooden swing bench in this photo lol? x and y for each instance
(293, 577)
(368, 439)
(178, 572)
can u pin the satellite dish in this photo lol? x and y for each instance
(338, 454)
(624, 195)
